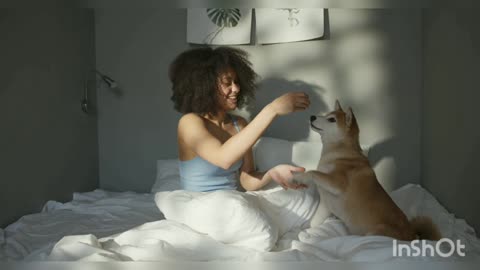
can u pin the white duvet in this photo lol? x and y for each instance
(256, 226)
(101, 213)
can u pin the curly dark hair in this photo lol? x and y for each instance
(194, 75)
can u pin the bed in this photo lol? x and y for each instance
(100, 213)
(169, 224)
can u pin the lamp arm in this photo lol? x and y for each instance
(109, 81)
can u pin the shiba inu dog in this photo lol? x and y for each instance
(349, 188)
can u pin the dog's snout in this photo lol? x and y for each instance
(313, 118)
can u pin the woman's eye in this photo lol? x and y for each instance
(331, 120)
(228, 83)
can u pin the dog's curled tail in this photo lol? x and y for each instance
(425, 228)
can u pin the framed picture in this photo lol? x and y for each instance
(219, 26)
(278, 25)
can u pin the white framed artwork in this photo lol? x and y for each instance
(219, 26)
(278, 25)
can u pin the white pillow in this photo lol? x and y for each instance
(307, 154)
(168, 176)
(269, 152)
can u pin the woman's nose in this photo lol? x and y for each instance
(235, 88)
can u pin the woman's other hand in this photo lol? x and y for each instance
(283, 174)
(290, 102)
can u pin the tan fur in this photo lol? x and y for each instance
(349, 188)
(425, 229)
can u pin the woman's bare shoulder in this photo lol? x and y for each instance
(189, 119)
(190, 122)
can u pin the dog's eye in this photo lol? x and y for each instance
(331, 120)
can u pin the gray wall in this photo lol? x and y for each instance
(370, 60)
(451, 137)
(48, 147)
(136, 123)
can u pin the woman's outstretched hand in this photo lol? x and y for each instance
(290, 102)
(283, 174)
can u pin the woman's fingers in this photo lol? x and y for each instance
(291, 102)
(294, 186)
(301, 94)
(302, 101)
(302, 104)
(299, 108)
(302, 186)
(297, 169)
(283, 175)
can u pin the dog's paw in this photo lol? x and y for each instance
(300, 178)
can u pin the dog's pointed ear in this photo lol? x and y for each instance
(337, 106)
(350, 118)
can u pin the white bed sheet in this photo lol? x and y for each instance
(168, 240)
(99, 213)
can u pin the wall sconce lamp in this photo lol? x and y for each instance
(111, 83)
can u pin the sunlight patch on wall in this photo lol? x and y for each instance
(362, 65)
(272, 60)
(363, 75)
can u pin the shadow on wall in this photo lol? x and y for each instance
(380, 150)
(377, 70)
(383, 153)
(295, 126)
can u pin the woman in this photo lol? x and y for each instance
(215, 148)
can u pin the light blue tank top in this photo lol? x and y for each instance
(198, 174)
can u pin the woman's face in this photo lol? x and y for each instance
(229, 89)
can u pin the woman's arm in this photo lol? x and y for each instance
(192, 130)
(250, 179)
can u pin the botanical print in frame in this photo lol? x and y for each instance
(219, 26)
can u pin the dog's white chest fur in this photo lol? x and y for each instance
(334, 203)
(329, 202)
(326, 167)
